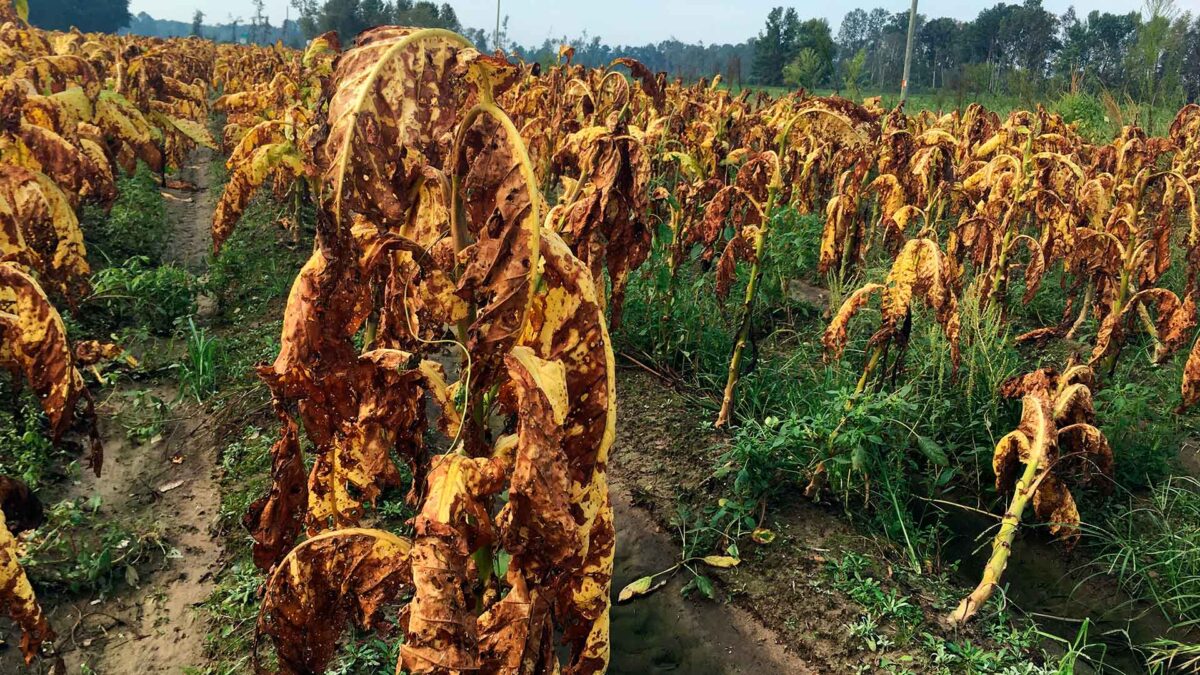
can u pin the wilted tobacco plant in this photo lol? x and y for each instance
(759, 185)
(277, 148)
(1056, 441)
(751, 201)
(426, 222)
(1011, 186)
(603, 214)
(919, 271)
(33, 342)
(17, 596)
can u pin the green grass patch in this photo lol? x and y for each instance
(82, 550)
(135, 225)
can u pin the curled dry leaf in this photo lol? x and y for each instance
(274, 521)
(246, 177)
(91, 352)
(836, 334)
(919, 271)
(33, 341)
(17, 596)
(325, 584)
(453, 522)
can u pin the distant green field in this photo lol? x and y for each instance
(1085, 108)
(940, 101)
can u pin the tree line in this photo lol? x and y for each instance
(1151, 55)
(1022, 49)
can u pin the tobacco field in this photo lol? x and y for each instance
(396, 356)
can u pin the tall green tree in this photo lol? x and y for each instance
(937, 49)
(1190, 67)
(351, 17)
(1154, 59)
(775, 46)
(814, 51)
(90, 16)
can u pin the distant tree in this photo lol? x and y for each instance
(938, 46)
(1154, 57)
(1190, 67)
(853, 70)
(733, 71)
(854, 33)
(1030, 35)
(815, 35)
(479, 37)
(426, 15)
(806, 70)
(775, 46)
(90, 16)
(260, 23)
(198, 23)
(351, 17)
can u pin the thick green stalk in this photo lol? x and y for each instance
(1001, 547)
(743, 334)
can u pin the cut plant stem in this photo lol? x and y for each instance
(743, 334)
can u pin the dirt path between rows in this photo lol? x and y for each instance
(666, 632)
(170, 481)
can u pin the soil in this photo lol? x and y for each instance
(664, 457)
(1189, 457)
(155, 627)
(191, 211)
(666, 632)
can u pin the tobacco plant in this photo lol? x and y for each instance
(428, 223)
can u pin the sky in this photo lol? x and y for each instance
(636, 21)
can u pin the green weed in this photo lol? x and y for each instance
(144, 415)
(28, 453)
(198, 370)
(140, 293)
(79, 550)
(1151, 546)
(135, 225)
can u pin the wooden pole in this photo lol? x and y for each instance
(908, 49)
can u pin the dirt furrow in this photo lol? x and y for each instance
(169, 481)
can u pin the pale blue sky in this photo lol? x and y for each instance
(637, 21)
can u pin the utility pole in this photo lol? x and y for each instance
(912, 27)
(496, 36)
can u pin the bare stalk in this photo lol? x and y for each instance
(743, 334)
(1001, 546)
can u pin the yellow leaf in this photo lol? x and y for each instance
(639, 588)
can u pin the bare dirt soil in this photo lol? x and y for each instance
(667, 632)
(155, 627)
(664, 458)
(158, 628)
